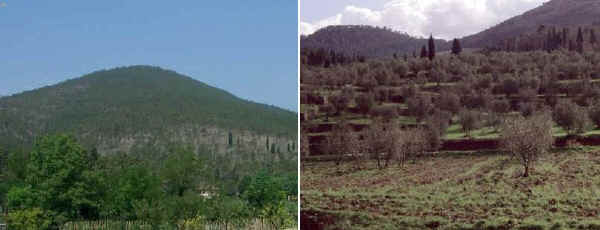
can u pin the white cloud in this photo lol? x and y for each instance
(444, 18)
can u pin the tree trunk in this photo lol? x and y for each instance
(526, 173)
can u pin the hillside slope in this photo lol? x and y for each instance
(552, 13)
(135, 107)
(368, 41)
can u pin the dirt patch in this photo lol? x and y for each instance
(314, 220)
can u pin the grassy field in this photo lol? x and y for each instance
(458, 190)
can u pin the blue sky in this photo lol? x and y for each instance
(248, 48)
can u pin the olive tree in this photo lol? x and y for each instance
(338, 141)
(378, 143)
(408, 143)
(571, 117)
(527, 138)
(469, 120)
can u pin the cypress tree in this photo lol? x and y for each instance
(230, 139)
(431, 47)
(456, 48)
(268, 143)
(579, 36)
(579, 41)
(592, 36)
(423, 52)
(565, 39)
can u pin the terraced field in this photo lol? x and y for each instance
(456, 190)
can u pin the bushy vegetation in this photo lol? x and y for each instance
(59, 181)
(148, 105)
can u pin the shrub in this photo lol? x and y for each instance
(437, 124)
(595, 114)
(29, 219)
(500, 106)
(510, 86)
(339, 102)
(378, 143)
(527, 109)
(365, 102)
(449, 102)
(385, 112)
(408, 143)
(419, 106)
(340, 141)
(571, 117)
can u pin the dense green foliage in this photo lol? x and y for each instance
(63, 182)
(129, 101)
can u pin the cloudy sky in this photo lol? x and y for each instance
(444, 18)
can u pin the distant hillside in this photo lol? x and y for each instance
(368, 41)
(553, 13)
(137, 107)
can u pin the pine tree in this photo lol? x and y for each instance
(424, 52)
(431, 48)
(456, 48)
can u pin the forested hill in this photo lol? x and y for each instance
(552, 13)
(367, 41)
(139, 106)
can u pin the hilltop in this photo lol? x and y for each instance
(553, 13)
(367, 41)
(128, 108)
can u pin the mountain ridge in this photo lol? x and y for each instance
(140, 105)
(384, 42)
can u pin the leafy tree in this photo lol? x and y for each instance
(500, 106)
(419, 106)
(437, 124)
(595, 114)
(469, 120)
(339, 102)
(448, 101)
(58, 180)
(510, 86)
(456, 48)
(128, 187)
(365, 102)
(29, 219)
(408, 143)
(379, 142)
(264, 190)
(181, 171)
(571, 117)
(338, 141)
